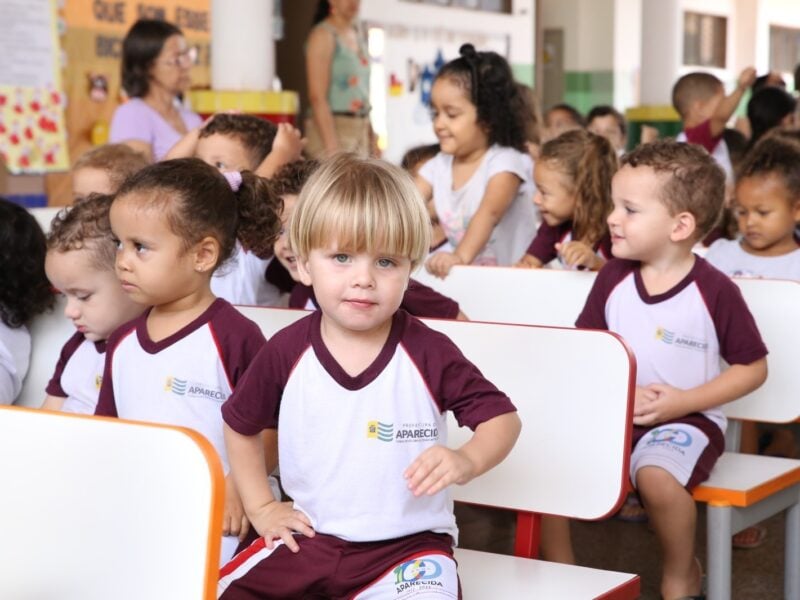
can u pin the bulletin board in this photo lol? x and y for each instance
(91, 34)
(33, 137)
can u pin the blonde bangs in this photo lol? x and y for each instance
(361, 205)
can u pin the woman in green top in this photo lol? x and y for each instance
(337, 67)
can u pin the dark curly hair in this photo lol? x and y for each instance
(291, 177)
(85, 226)
(694, 182)
(254, 133)
(140, 48)
(199, 202)
(778, 155)
(487, 81)
(25, 291)
(766, 109)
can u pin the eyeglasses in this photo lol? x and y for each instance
(185, 59)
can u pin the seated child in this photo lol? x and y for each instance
(573, 193)
(235, 142)
(102, 170)
(330, 381)
(608, 122)
(680, 316)
(80, 264)
(24, 293)
(174, 223)
(559, 119)
(704, 109)
(418, 299)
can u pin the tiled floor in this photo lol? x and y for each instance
(631, 547)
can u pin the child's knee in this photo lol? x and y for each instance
(654, 483)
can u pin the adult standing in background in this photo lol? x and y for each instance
(155, 74)
(337, 67)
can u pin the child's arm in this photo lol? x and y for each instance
(287, 147)
(53, 402)
(728, 104)
(500, 193)
(438, 466)
(271, 518)
(577, 254)
(670, 403)
(187, 145)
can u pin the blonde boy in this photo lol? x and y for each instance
(342, 386)
(80, 264)
(680, 315)
(102, 170)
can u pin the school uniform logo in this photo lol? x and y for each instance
(406, 432)
(421, 573)
(193, 389)
(680, 340)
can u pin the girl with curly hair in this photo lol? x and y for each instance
(174, 223)
(480, 183)
(24, 293)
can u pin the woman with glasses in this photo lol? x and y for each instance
(155, 74)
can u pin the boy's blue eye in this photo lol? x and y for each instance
(385, 262)
(341, 258)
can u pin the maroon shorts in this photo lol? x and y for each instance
(418, 566)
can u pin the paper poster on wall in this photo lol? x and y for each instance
(32, 132)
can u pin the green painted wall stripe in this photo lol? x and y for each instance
(523, 72)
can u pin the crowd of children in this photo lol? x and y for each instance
(150, 258)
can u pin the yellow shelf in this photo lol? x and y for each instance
(270, 103)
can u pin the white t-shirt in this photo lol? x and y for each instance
(730, 258)
(78, 374)
(456, 208)
(15, 354)
(241, 280)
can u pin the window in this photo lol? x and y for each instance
(498, 6)
(705, 38)
(784, 49)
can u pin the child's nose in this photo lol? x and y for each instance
(537, 198)
(363, 275)
(71, 310)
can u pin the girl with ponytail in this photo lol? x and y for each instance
(573, 182)
(174, 223)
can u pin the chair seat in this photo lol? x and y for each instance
(485, 575)
(744, 479)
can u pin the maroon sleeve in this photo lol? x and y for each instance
(238, 341)
(106, 405)
(543, 245)
(54, 385)
(422, 301)
(456, 383)
(740, 341)
(300, 296)
(718, 233)
(255, 403)
(593, 315)
(701, 135)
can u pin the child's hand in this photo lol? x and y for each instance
(577, 254)
(528, 262)
(289, 143)
(234, 521)
(440, 263)
(746, 78)
(436, 468)
(658, 403)
(279, 521)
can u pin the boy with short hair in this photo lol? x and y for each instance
(704, 109)
(608, 122)
(80, 264)
(337, 385)
(419, 299)
(680, 315)
(102, 170)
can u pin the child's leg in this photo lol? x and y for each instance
(673, 517)
(556, 543)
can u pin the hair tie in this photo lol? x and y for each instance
(234, 179)
(470, 56)
(467, 51)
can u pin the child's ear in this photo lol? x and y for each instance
(206, 254)
(684, 227)
(302, 270)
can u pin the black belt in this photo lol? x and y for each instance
(350, 115)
